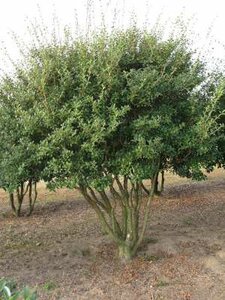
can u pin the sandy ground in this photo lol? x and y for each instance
(61, 252)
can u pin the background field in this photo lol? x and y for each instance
(61, 251)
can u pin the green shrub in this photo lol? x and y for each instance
(8, 292)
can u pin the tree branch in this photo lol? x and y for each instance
(146, 213)
(100, 215)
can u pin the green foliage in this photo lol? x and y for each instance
(117, 104)
(218, 158)
(8, 292)
(48, 286)
(20, 166)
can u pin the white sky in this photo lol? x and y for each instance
(14, 15)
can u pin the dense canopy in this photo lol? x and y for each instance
(104, 114)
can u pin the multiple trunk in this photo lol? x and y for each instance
(119, 212)
(158, 186)
(16, 199)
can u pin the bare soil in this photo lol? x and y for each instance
(61, 252)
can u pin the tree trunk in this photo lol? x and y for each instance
(12, 204)
(125, 252)
(15, 208)
(32, 195)
(162, 182)
(18, 211)
(158, 191)
(155, 183)
(16, 198)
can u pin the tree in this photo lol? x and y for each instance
(19, 164)
(128, 111)
(216, 87)
(109, 112)
(209, 102)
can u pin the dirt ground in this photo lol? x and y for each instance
(61, 252)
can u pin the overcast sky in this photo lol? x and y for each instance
(14, 16)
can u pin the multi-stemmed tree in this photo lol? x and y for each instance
(130, 111)
(19, 164)
(102, 114)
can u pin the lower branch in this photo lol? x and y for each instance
(144, 188)
(162, 182)
(12, 203)
(114, 235)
